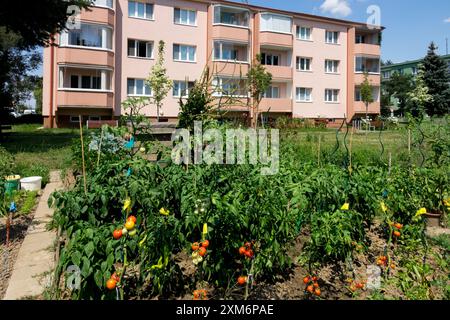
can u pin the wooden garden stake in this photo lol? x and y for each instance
(350, 149)
(409, 142)
(82, 155)
(99, 147)
(390, 162)
(318, 151)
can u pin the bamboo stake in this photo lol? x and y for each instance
(390, 162)
(350, 148)
(82, 155)
(99, 148)
(318, 151)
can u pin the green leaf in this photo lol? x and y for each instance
(89, 249)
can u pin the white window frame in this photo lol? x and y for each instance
(388, 73)
(221, 52)
(298, 95)
(299, 33)
(333, 95)
(230, 24)
(65, 39)
(71, 119)
(299, 64)
(188, 55)
(218, 83)
(104, 4)
(272, 89)
(187, 89)
(151, 43)
(334, 40)
(267, 55)
(188, 23)
(99, 118)
(334, 66)
(268, 29)
(135, 15)
(143, 89)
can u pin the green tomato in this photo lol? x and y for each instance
(132, 233)
(124, 231)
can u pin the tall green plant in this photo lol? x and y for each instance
(158, 80)
(366, 93)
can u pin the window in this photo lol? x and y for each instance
(303, 33)
(103, 3)
(304, 94)
(332, 37)
(137, 87)
(229, 87)
(414, 71)
(331, 66)
(187, 17)
(231, 15)
(359, 38)
(95, 118)
(387, 74)
(331, 95)
(230, 51)
(375, 94)
(366, 64)
(276, 23)
(181, 88)
(272, 92)
(88, 35)
(270, 59)
(358, 94)
(184, 53)
(304, 64)
(140, 10)
(141, 49)
(75, 119)
(85, 82)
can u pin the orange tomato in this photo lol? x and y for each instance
(399, 226)
(248, 245)
(316, 284)
(196, 294)
(249, 253)
(132, 218)
(314, 278)
(359, 285)
(305, 280)
(397, 233)
(310, 288)
(195, 246)
(317, 292)
(115, 277)
(111, 284)
(205, 244)
(242, 251)
(242, 280)
(202, 251)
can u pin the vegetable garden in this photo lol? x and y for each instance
(140, 229)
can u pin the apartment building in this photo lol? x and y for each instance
(317, 63)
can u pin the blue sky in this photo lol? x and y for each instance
(410, 24)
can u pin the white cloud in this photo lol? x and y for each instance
(339, 8)
(447, 20)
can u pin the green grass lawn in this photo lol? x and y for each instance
(37, 151)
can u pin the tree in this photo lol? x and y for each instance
(38, 21)
(366, 93)
(37, 93)
(158, 80)
(419, 97)
(436, 78)
(258, 81)
(399, 85)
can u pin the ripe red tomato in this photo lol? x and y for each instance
(242, 280)
(316, 284)
(195, 246)
(359, 285)
(248, 245)
(314, 278)
(196, 294)
(117, 234)
(242, 251)
(205, 244)
(310, 288)
(317, 292)
(202, 251)
(305, 280)
(249, 253)
(111, 284)
(132, 218)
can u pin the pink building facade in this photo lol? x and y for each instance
(317, 63)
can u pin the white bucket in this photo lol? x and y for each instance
(31, 183)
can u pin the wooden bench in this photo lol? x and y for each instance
(97, 124)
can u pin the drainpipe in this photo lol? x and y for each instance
(52, 71)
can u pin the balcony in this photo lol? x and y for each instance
(360, 107)
(270, 39)
(69, 97)
(275, 105)
(280, 72)
(85, 55)
(230, 68)
(368, 49)
(98, 15)
(374, 79)
(226, 32)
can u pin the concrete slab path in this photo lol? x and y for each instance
(35, 262)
